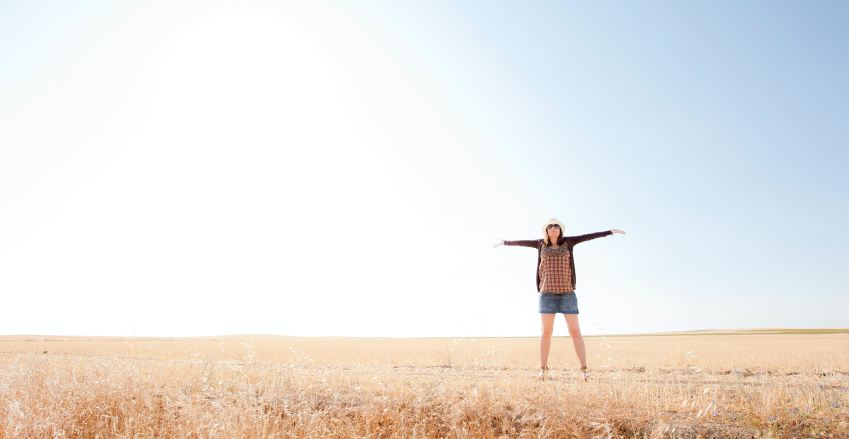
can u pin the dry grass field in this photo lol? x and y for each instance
(780, 384)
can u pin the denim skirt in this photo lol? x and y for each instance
(550, 303)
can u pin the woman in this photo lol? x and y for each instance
(556, 283)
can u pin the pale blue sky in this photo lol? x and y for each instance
(184, 168)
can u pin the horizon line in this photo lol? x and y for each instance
(714, 331)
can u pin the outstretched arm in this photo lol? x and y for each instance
(534, 243)
(581, 238)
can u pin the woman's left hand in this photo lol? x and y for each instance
(618, 231)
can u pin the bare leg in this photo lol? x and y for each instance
(577, 339)
(545, 339)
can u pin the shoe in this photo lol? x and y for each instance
(543, 373)
(584, 374)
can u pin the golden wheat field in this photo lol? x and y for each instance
(688, 385)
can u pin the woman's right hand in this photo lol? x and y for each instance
(498, 243)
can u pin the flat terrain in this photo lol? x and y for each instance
(778, 383)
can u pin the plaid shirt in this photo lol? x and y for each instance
(569, 241)
(554, 270)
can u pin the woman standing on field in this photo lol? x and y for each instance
(556, 284)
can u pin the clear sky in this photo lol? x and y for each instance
(321, 168)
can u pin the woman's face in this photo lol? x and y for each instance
(553, 231)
